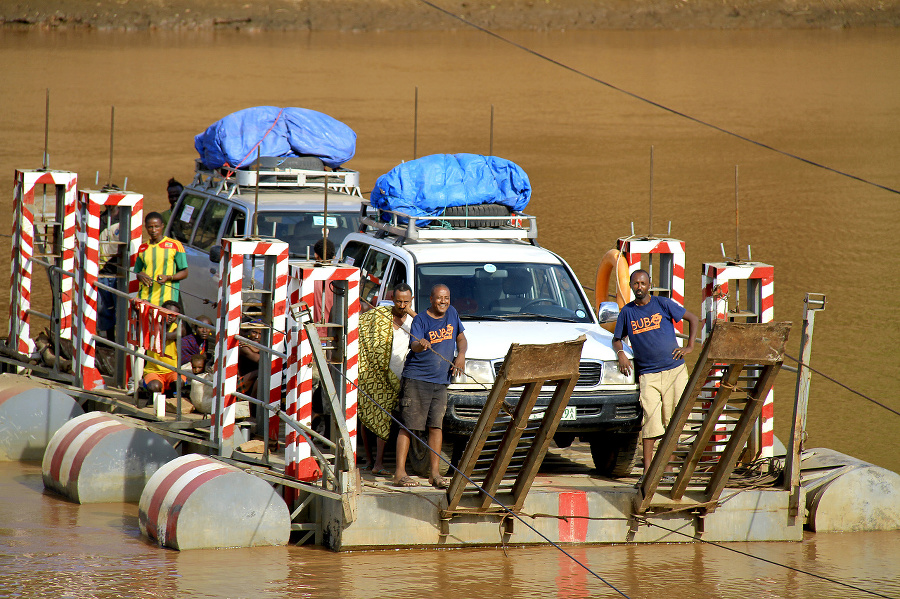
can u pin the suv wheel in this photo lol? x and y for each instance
(419, 456)
(615, 454)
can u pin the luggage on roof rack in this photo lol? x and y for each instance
(281, 177)
(511, 226)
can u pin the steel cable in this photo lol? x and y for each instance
(654, 103)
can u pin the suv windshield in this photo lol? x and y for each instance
(301, 230)
(505, 290)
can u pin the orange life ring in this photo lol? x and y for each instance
(612, 258)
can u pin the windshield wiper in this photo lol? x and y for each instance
(482, 317)
(544, 316)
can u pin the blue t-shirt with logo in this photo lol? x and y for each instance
(651, 331)
(441, 332)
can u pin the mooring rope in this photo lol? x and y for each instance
(668, 109)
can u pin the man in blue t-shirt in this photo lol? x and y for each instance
(648, 322)
(438, 352)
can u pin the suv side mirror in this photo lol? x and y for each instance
(215, 254)
(607, 312)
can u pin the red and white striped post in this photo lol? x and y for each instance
(760, 298)
(87, 265)
(671, 264)
(23, 240)
(230, 313)
(303, 287)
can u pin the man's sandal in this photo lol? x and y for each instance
(406, 481)
(440, 482)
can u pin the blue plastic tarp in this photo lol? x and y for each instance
(278, 132)
(428, 185)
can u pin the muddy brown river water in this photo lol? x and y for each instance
(829, 96)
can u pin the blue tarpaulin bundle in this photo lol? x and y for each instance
(278, 132)
(428, 185)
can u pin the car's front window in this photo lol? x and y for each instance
(505, 290)
(301, 230)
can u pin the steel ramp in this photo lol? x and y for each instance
(514, 447)
(734, 373)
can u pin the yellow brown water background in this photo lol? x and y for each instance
(830, 96)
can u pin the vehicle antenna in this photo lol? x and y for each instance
(112, 138)
(416, 124)
(737, 248)
(491, 151)
(46, 160)
(325, 223)
(650, 224)
(737, 251)
(255, 229)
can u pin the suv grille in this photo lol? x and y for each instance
(473, 412)
(589, 373)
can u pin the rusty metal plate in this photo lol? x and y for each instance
(761, 343)
(528, 363)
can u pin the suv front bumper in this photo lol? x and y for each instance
(596, 411)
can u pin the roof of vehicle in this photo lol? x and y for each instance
(288, 189)
(291, 201)
(474, 251)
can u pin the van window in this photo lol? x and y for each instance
(353, 253)
(236, 224)
(185, 218)
(372, 276)
(210, 224)
(397, 276)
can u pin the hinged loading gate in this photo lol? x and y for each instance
(517, 447)
(748, 356)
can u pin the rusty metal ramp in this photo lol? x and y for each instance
(712, 423)
(510, 441)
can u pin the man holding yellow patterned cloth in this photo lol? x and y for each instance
(383, 346)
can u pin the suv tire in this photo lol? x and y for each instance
(480, 210)
(615, 454)
(419, 457)
(308, 163)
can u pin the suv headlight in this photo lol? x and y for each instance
(612, 376)
(477, 371)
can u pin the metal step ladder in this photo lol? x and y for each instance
(737, 367)
(513, 447)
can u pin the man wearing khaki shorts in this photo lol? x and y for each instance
(648, 322)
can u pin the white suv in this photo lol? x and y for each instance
(507, 290)
(291, 199)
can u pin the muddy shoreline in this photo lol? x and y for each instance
(408, 15)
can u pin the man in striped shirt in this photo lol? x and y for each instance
(160, 265)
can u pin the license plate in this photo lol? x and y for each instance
(569, 413)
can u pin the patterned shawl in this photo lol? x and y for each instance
(376, 381)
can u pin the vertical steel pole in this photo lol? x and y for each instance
(813, 303)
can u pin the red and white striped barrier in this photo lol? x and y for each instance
(303, 288)
(671, 263)
(230, 312)
(96, 458)
(23, 232)
(760, 298)
(196, 502)
(87, 245)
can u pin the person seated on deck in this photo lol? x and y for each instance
(198, 342)
(201, 395)
(248, 364)
(158, 378)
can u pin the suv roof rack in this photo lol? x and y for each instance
(514, 226)
(231, 181)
